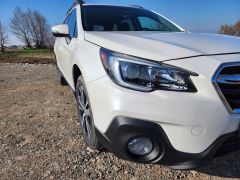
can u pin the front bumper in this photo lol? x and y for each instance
(122, 129)
(191, 121)
(193, 125)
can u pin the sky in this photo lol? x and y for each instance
(193, 15)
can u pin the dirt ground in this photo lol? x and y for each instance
(40, 137)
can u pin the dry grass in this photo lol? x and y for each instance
(32, 56)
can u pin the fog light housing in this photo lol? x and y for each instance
(140, 146)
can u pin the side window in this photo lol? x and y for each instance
(151, 24)
(71, 20)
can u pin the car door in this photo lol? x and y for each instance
(67, 46)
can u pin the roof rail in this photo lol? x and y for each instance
(77, 2)
(137, 6)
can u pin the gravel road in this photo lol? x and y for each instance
(40, 136)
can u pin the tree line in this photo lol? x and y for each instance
(232, 30)
(30, 27)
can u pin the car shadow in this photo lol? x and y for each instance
(227, 167)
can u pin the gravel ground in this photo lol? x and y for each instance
(40, 136)
(29, 60)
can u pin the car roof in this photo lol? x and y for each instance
(111, 5)
(103, 5)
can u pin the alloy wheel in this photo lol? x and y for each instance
(84, 110)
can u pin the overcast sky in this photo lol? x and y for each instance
(193, 15)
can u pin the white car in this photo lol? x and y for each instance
(146, 89)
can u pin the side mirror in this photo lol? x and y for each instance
(61, 30)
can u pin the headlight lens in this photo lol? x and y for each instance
(144, 75)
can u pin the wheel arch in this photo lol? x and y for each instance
(76, 72)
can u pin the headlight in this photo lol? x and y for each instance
(144, 75)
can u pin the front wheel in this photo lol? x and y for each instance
(85, 116)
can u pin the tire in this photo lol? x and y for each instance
(85, 116)
(62, 80)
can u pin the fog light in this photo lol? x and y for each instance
(140, 146)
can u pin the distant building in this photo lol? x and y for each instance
(13, 47)
(21, 47)
(16, 47)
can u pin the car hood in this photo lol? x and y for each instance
(165, 46)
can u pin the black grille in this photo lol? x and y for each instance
(230, 145)
(228, 81)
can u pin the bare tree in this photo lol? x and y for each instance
(31, 27)
(232, 30)
(3, 35)
(237, 28)
(39, 29)
(19, 26)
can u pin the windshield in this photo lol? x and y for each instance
(113, 18)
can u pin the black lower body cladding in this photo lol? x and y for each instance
(123, 129)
